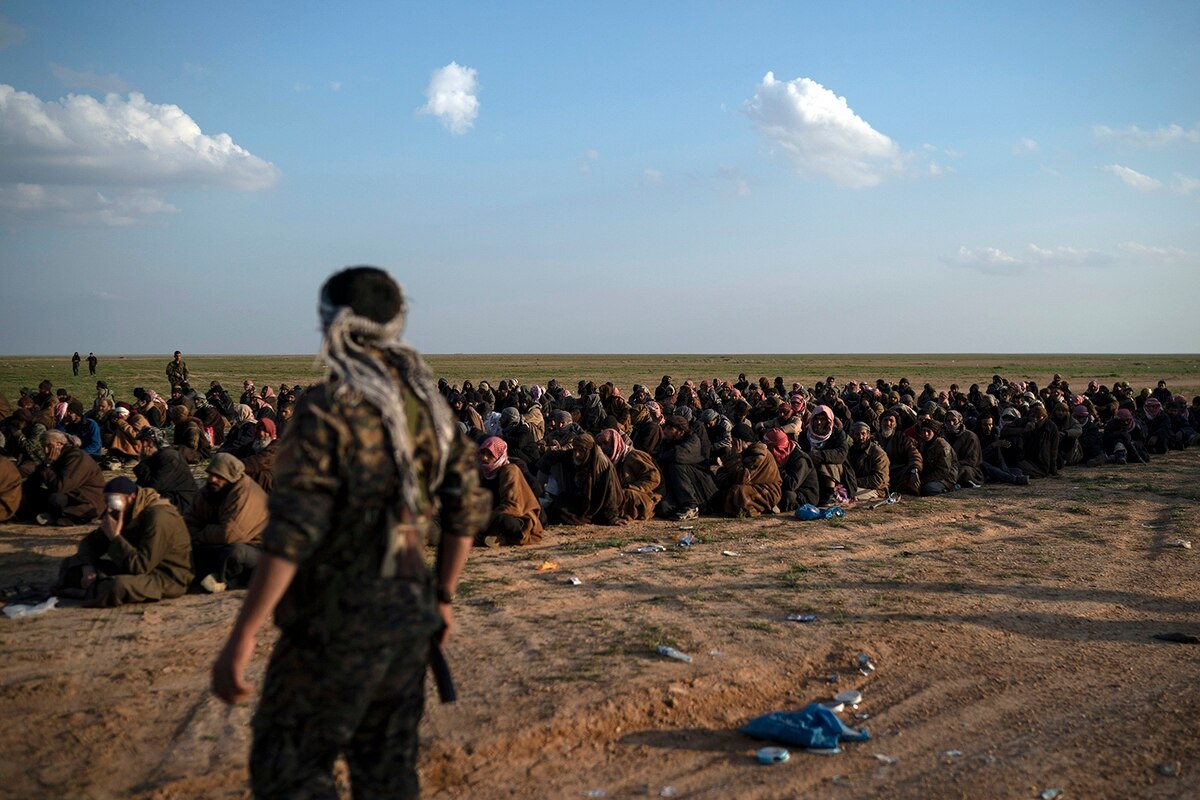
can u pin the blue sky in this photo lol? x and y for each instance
(710, 177)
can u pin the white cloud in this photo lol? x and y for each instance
(106, 161)
(451, 97)
(1133, 135)
(10, 34)
(88, 80)
(1026, 147)
(1185, 184)
(991, 260)
(1133, 178)
(821, 135)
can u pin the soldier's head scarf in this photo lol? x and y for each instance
(361, 343)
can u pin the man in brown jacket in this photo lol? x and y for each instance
(226, 524)
(10, 489)
(139, 553)
(869, 462)
(68, 488)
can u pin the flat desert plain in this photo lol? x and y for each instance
(1012, 630)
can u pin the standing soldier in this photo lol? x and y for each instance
(91, 359)
(177, 371)
(75, 359)
(371, 469)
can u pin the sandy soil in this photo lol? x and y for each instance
(1012, 625)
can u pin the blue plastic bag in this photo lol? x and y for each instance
(809, 512)
(812, 726)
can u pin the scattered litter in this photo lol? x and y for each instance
(574, 581)
(687, 527)
(862, 715)
(547, 566)
(833, 678)
(772, 755)
(1181, 638)
(671, 652)
(668, 791)
(890, 500)
(850, 697)
(22, 610)
(595, 793)
(1050, 794)
(808, 512)
(715, 653)
(835, 547)
(649, 548)
(834, 706)
(885, 759)
(689, 539)
(825, 751)
(730, 553)
(865, 666)
(952, 753)
(1184, 543)
(1169, 769)
(795, 617)
(812, 727)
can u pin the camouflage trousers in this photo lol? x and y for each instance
(356, 698)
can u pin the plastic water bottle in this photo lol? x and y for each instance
(671, 652)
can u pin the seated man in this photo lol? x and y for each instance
(190, 439)
(639, 475)
(10, 489)
(596, 497)
(519, 437)
(139, 553)
(903, 454)
(800, 485)
(67, 489)
(226, 524)
(23, 441)
(870, 464)
(516, 515)
(239, 440)
(687, 482)
(749, 484)
(260, 465)
(940, 471)
(163, 469)
(967, 450)
(124, 427)
(826, 445)
(719, 431)
(83, 428)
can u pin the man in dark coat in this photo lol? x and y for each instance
(687, 483)
(164, 470)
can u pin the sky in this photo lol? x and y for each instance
(737, 177)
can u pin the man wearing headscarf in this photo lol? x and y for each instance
(239, 440)
(825, 442)
(966, 448)
(1157, 424)
(749, 484)
(940, 471)
(519, 437)
(516, 516)
(596, 498)
(371, 460)
(1124, 440)
(647, 427)
(903, 454)
(260, 464)
(800, 484)
(639, 475)
(190, 438)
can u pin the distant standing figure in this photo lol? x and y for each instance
(177, 370)
(91, 359)
(75, 359)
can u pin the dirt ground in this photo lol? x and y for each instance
(1012, 629)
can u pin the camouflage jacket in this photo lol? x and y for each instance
(335, 483)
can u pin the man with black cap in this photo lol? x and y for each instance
(140, 552)
(372, 468)
(83, 428)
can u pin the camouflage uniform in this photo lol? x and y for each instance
(347, 674)
(177, 373)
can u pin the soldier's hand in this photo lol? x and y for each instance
(229, 670)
